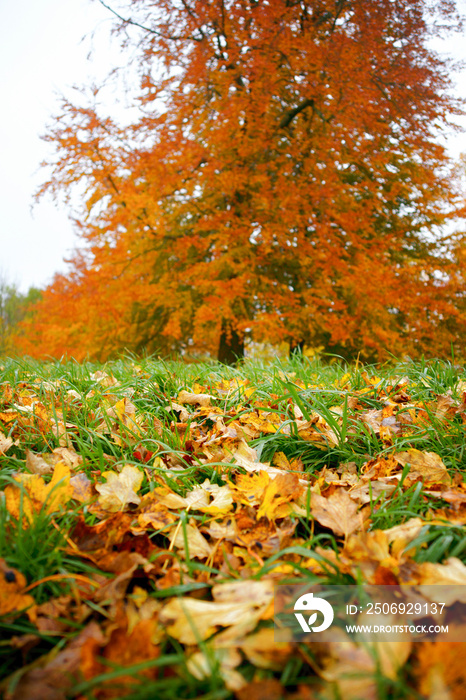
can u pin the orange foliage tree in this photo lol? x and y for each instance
(283, 180)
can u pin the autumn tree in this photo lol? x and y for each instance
(283, 180)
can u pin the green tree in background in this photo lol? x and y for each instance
(14, 308)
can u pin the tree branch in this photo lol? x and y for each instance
(289, 116)
(148, 29)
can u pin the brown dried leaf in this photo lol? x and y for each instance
(337, 512)
(68, 456)
(83, 488)
(257, 592)
(425, 465)
(352, 667)
(123, 649)
(199, 498)
(365, 492)
(39, 463)
(55, 680)
(186, 397)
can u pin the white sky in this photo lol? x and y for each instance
(41, 54)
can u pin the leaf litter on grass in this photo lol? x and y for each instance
(179, 509)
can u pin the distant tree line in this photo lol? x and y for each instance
(14, 307)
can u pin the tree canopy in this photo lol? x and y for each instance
(283, 180)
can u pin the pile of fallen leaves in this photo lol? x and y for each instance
(168, 531)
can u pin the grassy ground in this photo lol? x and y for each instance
(147, 509)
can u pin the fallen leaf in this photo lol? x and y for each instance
(83, 488)
(440, 670)
(249, 488)
(380, 467)
(6, 443)
(198, 547)
(454, 497)
(141, 606)
(401, 535)
(263, 651)
(199, 498)
(61, 672)
(37, 494)
(190, 620)
(267, 689)
(200, 665)
(185, 397)
(161, 495)
(352, 667)
(106, 535)
(120, 489)
(184, 415)
(38, 463)
(69, 456)
(425, 465)
(155, 516)
(221, 502)
(338, 512)
(367, 552)
(265, 537)
(450, 577)
(12, 600)
(246, 457)
(371, 491)
(256, 425)
(256, 592)
(317, 430)
(123, 648)
(278, 493)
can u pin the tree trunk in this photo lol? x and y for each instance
(296, 347)
(231, 346)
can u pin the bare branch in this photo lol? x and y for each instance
(148, 29)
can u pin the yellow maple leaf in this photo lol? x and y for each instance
(249, 488)
(33, 493)
(120, 489)
(279, 492)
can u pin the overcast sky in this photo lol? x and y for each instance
(41, 54)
